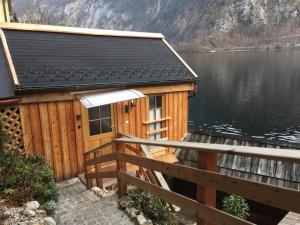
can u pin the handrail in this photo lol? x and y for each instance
(99, 148)
(102, 159)
(279, 197)
(285, 198)
(267, 153)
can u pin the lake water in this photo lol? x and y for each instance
(253, 93)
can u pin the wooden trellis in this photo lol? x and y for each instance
(10, 117)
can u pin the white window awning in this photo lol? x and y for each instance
(93, 99)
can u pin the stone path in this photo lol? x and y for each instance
(77, 205)
(291, 219)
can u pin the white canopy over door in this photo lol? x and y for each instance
(93, 99)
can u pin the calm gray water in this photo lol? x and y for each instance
(250, 93)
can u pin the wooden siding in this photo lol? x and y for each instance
(52, 129)
(175, 108)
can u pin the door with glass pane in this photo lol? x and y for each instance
(100, 127)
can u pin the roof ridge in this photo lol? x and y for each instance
(79, 30)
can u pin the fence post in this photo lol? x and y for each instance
(88, 181)
(206, 195)
(98, 168)
(121, 167)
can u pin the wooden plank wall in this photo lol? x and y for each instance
(175, 106)
(51, 129)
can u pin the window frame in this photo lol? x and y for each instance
(100, 120)
(162, 124)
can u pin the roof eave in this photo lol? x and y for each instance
(78, 30)
(28, 90)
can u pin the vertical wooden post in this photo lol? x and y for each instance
(88, 183)
(99, 181)
(206, 195)
(121, 167)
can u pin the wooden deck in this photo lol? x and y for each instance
(278, 173)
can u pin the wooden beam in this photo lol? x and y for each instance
(287, 199)
(267, 153)
(159, 89)
(9, 58)
(77, 30)
(181, 59)
(100, 147)
(157, 131)
(158, 175)
(64, 96)
(206, 195)
(133, 149)
(89, 182)
(102, 159)
(158, 120)
(213, 215)
(107, 174)
(49, 97)
(121, 167)
(6, 102)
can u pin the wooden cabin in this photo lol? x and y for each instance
(65, 91)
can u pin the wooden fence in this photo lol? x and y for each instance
(206, 177)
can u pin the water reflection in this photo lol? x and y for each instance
(251, 93)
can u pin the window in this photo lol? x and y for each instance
(100, 120)
(155, 106)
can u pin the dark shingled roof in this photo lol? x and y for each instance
(6, 88)
(51, 60)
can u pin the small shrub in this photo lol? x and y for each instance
(24, 177)
(236, 205)
(154, 208)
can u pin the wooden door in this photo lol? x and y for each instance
(99, 128)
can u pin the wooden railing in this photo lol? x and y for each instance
(208, 181)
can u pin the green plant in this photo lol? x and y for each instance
(154, 208)
(25, 177)
(236, 205)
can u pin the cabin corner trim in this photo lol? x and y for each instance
(179, 57)
(9, 58)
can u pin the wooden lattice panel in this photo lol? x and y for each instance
(10, 117)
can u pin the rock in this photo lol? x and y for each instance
(149, 222)
(28, 212)
(41, 212)
(33, 205)
(124, 203)
(132, 212)
(108, 193)
(49, 221)
(52, 205)
(98, 191)
(102, 192)
(141, 219)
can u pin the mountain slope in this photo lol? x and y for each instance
(206, 22)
